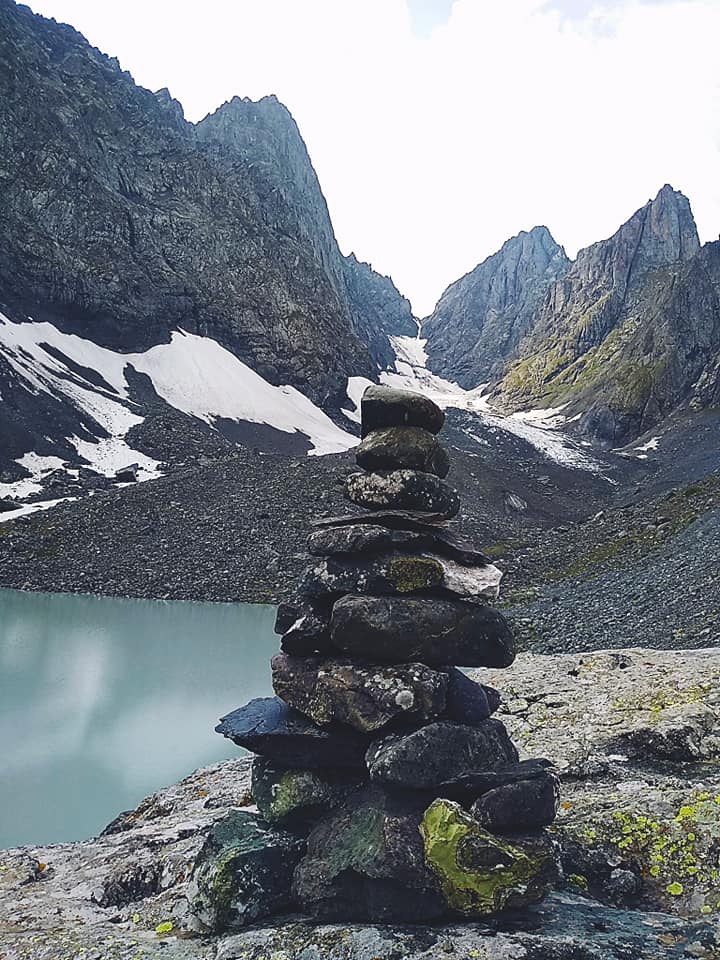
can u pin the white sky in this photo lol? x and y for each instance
(439, 129)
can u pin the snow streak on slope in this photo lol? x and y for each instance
(537, 427)
(193, 374)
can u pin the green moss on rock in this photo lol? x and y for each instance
(414, 573)
(480, 874)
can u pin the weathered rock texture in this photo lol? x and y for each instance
(577, 708)
(622, 336)
(123, 222)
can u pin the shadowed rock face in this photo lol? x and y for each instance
(620, 338)
(122, 221)
(481, 318)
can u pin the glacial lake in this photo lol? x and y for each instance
(103, 701)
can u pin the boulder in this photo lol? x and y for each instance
(404, 489)
(366, 862)
(439, 753)
(397, 573)
(480, 874)
(243, 872)
(269, 727)
(426, 629)
(387, 407)
(432, 526)
(289, 795)
(363, 696)
(467, 701)
(519, 806)
(285, 616)
(401, 448)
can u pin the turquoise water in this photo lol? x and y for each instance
(103, 701)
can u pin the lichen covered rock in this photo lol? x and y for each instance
(400, 448)
(288, 795)
(404, 490)
(366, 862)
(243, 872)
(481, 874)
(363, 696)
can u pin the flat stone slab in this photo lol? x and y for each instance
(402, 448)
(269, 727)
(425, 629)
(439, 753)
(404, 489)
(363, 696)
(337, 535)
(382, 406)
(472, 785)
(399, 573)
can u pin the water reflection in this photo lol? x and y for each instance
(103, 701)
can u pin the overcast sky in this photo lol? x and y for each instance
(439, 129)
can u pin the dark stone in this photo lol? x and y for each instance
(286, 615)
(472, 785)
(433, 526)
(426, 629)
(243, 872)
(269, 727)
(387, 407)
(363, 696)
(289, 795)
(7, 505)
(362, 538)
(404, 489)
(520, 806)
(366, 862)
(402, 448)
(468, 701)
(438, 753)
(310, 633)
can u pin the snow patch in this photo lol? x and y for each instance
(194, 374)
(28, 508)
(650, 445)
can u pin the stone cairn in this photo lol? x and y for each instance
(385, 788)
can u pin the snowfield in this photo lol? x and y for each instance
(538, 427)
(194, 374)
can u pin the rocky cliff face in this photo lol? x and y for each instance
(619, 338)
(122, 222)
(379, 310)
(480, 319)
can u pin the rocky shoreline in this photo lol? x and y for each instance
(635, 735)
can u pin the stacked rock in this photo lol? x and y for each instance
(377, 748)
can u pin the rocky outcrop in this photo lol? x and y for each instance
(479, 321)
(378, 309)
(122, 222)
(619, 338)
(606, 337)
(620, 897)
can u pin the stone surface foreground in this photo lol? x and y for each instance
(576, 709)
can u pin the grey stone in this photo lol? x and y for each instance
(383, 406)
(402, 448)
(403, 489)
